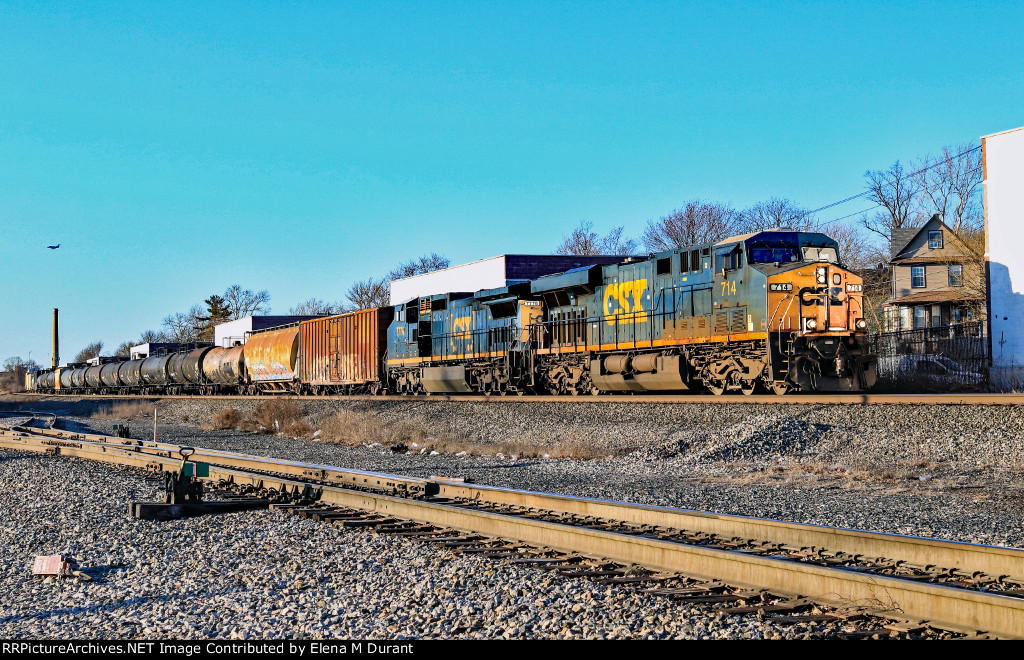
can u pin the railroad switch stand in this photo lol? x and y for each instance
(121, 431)
(183, 495)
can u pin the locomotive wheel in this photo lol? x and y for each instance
(780, 387)
(748, 387)
(716, 388)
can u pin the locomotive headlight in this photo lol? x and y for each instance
(812, 324)
(861, 324)
(821, 274)
(853, 288)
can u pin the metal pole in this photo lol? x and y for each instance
(56, 352)
(154, 423)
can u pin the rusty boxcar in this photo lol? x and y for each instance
(344, 354)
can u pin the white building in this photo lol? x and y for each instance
(235, 332)
(1003, 158)
(491, 273)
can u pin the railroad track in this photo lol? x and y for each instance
(984, 399)
(735, 563)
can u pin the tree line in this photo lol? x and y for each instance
(947, 183)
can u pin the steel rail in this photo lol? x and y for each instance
(973, 558)
(984, 399)
(948, 607)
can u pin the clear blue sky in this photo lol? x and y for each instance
(174, 149)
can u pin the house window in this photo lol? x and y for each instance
(920, 317)
(917, 277)
(955, 316)
(935, 240)
(936, 316)
(956, 275)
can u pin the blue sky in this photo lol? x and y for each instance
(177, 148)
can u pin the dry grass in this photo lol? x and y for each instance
(124, 410)
(356, 428)
(225, 419)
(270, 416)
(417, 435)
(277, 414)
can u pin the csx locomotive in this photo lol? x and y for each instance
(773, 309)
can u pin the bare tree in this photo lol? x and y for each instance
(584, 240)
(897, 192)
(152, 337)
(313, 307)
(185, 327)
(425, 264)
(244, 302)
(950, 184)
(856, 250)
(773, 214)
(367, 294)
(697, 222)
(89, 352)
(16, 363)
(124, 349)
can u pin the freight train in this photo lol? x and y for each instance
(773, 310)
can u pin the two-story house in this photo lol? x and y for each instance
(937, 279)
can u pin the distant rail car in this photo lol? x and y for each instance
(773, 310)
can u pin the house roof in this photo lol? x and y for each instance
(902, 237)
(936, 296)
(927, 260)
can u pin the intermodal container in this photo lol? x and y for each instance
(346, 349)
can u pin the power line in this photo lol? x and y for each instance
(867, 192)
(845, 217)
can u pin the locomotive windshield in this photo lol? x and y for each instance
(821, 254)
(761, 254)
(783, 247)
(775, 247)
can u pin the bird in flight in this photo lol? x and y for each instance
(53, 247)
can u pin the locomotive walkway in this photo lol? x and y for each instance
(742, 564)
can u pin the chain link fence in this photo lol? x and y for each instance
(951, 358)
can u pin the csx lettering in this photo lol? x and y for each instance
(624, 300)
(461, 330)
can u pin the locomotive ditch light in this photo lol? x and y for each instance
(811, 324)
(861, 324)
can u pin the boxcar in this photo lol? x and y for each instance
(344, 353)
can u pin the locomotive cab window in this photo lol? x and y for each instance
(730, 260)
(665, 266)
